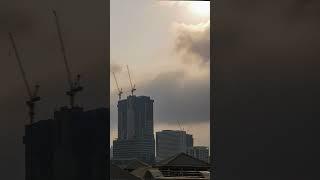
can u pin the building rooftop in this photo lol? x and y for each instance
(117, 173)
(183, 159)
(135, 164)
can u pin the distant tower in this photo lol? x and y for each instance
(172, 142)
(135, 129)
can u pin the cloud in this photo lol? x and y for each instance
(172, 3)
(192, 42)
(176, 97)
(179, 98)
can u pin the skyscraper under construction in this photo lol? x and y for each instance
(135, 129)
(71, 146)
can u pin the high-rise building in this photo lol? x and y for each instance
(71, 146)
(172, 142)
(189, 140)
(199, 152)
(135, 129)
(111, 152)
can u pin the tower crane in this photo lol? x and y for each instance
(180, 125)
(120, 92)
(133, 86)
(33, 96)
(74, 84)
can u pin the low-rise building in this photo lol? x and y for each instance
(180, 166)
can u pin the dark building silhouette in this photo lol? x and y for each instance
(73, 145)
(189, 139)
(135, 129)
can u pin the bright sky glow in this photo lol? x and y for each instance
(200, 8)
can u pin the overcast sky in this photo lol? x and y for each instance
(166, 45)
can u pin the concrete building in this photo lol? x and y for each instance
(172, 142)
(135, 129)
(142, 149)
(71, 146)
(199, 152)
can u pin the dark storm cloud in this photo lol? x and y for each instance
(176, 97)
(85, 28)
(267, 88)
(179, 98)
(193, 42)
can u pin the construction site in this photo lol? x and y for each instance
(136, 154)
(73, 144)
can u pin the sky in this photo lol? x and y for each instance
(167, 48)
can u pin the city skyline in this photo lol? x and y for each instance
(180, 84)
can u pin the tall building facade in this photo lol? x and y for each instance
(71, 146)
(135, 129)
(199, 152)
(172, 142)
(189, 140)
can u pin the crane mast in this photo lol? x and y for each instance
(120, 92)
(33, 96)
(133, 86)
(74, 84)
(180, 125)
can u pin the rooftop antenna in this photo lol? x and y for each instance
(74, 84)
(33, 96)
(120, 92)
(133, 87)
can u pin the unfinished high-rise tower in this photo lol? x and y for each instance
(135, 129)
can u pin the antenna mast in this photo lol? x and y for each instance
(74, 85)
(120, 92)
(33, 97)
(133, 87)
